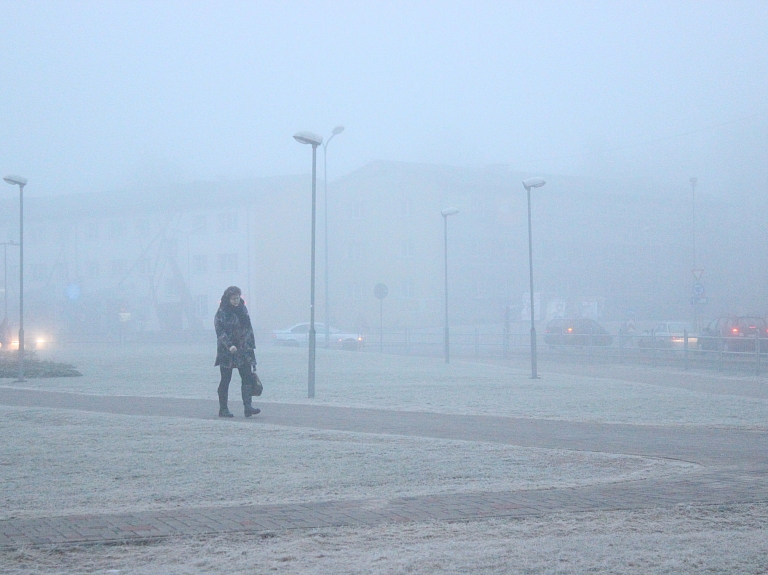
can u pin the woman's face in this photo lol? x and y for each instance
(234, 300)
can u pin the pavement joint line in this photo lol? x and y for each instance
(733, 469)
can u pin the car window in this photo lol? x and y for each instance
(302, 328)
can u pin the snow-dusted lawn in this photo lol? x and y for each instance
(62, 462)
(403, 383)
(728, 540)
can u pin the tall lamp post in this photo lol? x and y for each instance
(21, 182)
(693, 231)
(5, 277)
(445, 213)
(313, 140)
(528, 184)
(336, 131)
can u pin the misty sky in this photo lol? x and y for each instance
(112, 95)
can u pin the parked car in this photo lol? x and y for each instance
(669, 334)
(576, 332)
(298, 335)
(735, 333)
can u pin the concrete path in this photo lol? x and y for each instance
(734, 470)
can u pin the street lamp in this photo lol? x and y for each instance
(695, 268)
(445, 213)
(5, 277)
(336, 131)
(21, 182)
(528, 184)
(313, 140)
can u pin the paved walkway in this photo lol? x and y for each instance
(734, 470)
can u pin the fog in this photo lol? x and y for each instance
(192, 106)
(108, 95)
(158, 142)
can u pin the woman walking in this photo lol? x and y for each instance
(235, 344)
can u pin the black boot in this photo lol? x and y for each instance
(223, 409)
(249, 411)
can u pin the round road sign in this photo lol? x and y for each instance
(380, 291)
(698, 289)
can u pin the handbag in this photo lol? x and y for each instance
(256, 385)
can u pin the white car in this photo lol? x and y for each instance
(669, 334)
(298, 335)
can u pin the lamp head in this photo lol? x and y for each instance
(308, 138)
(693, 181)
(449, 212)
(15, 180)
(533, 183)
(338, 130)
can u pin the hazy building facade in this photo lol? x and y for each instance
(158, 260)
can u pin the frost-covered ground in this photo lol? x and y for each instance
(726, 540)
(68, 463)
(56, 462)
(404, 383)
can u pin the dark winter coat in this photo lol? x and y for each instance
(233, 327)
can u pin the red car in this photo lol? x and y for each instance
(735, 333)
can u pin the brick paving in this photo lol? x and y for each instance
(734, 465)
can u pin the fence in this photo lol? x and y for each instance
(732, 354)
(745, 354)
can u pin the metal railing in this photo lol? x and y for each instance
(689, 351)
(743, 354)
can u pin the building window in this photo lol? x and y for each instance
(228, 222)
(227, 263)
(200, 264)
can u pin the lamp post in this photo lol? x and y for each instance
(693, 233)
(336, 131)
(528, 184)
(313, 140)
(5, 277)
(445, 213)
(21, 182)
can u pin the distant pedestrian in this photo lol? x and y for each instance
(235, 345)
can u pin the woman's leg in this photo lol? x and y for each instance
(226, 377)
(246, 390)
